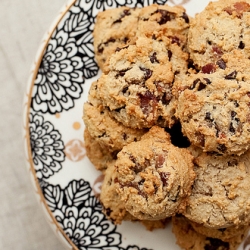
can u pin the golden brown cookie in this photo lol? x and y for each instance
(109, 133)
(113, 28)
(220, 193)
(214, 108)
(154, 177)
(221, 233)
(138, 86)
(114, 207)
(222, 27)
(187, 238)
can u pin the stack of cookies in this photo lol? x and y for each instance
(167, 76)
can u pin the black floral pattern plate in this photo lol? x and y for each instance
(66, 183)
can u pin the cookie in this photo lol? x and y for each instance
(220, 193)
(114, 208)
(210, 34)
(154, 177)
(171, 24)
(98, 156)
(109, 133)
(214, 108)
(171, 21)
(221, 233)
(113, 28)
(187, 238)
(138, 87)
(117, 28)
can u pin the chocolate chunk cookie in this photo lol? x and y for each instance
(114, 207)
(224, 234)
(163, 22)
(138, 87)
(214, 109)
(220, 193)
(154, 177)
(109, 133)
(222, 27)
(114, 28)
(187, 238)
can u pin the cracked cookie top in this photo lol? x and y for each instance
(138, 86)
(154, 177)
(220, 193)
(117, 28)
(213, 107)
(109, 133)
(222, 27)
(114, 28)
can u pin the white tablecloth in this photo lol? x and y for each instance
(22, 222)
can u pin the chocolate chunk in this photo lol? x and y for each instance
(215, 244)
(100, 48)
(125, 89)
(241, 45)
(147, 72)
(233, 162)
(153, 58)
(119, 48)
(231, 128)
(185, 17)
(169, 54)
(221, 63)
(222, 148)
(231, 76)
(195, 83)
(175, 39)
(166, 16)
(233, 114)
(208, 116)
(201, 86)
(121, 72)
(164, 178)
(123, 14)
(207, 80)
(166, 98)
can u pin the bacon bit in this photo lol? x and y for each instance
(239, 8)
(208, 69)
(217, 50)
(148, 102)
(229, 10)
(159, 160)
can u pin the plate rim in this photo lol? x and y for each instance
(26, 111)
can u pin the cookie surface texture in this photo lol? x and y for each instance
(220, 193)
(114, 28)
(211, 35)
(187, 238)
(154, 176)
(214, 108)
(138, 87)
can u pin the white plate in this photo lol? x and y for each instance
(64, 179)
